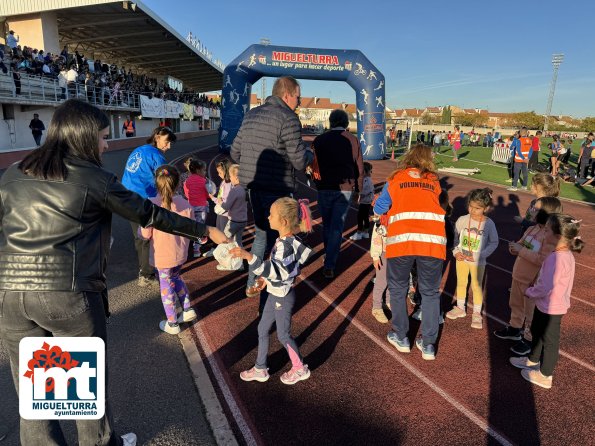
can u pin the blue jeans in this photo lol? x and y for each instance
(55, 313)
(333, 206)
(264, 236)
(429, 275)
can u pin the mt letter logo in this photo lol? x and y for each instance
(61, 378)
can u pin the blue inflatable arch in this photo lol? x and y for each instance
(350, 66)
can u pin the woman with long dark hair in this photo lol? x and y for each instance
(415, 234)
(56, 210)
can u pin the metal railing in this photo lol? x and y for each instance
(47, 89)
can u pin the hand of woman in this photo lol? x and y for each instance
(216, 235)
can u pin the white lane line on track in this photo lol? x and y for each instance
(225, 390)
(562, 352)
(472, 416)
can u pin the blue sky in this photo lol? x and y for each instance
(474, 54)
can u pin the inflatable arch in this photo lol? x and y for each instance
(350, 66)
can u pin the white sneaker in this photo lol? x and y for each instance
(365, 235)
(187, 316)
(129, 439)
(171, 329)
(209, 253)
(355, 237)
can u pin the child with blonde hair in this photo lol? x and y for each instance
(476, 239)
(531, 250)
(168, 252)
(542, 185)
(551, 297)
(278, 274)
(222, 192)
(236, 207)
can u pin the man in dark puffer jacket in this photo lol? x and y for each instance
(269, 149)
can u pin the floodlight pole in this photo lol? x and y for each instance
(263, 86)
(556, 61)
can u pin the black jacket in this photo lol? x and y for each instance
(55, 235)
(269, 147)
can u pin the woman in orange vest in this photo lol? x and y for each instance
(415, 234)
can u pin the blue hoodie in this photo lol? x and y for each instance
(139, 174)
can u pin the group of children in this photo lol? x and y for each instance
(542, 276)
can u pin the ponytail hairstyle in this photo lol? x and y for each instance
(167, 179)
(195, 165)
(549, 184)
(549, 206)
(225, 164)
(568, 228)
(296, 212)
(161, 131)
(481, 196)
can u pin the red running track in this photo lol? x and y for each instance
(362, 391)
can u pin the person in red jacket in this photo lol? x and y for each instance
(415, 234)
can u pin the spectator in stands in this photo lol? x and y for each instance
(62, 82)
(269, 149)
(12, 40)
(16, 77)
(2, 66)
(37, 128)
(339, 175)
(71, 78)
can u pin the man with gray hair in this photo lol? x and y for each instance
(339, 177)
(269, 149)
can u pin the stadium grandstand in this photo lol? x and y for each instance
(118, 55)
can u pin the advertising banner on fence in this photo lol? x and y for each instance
(151, 108)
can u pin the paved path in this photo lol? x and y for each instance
(150, 385)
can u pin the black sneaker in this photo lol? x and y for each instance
(508, 332)
(521, 348)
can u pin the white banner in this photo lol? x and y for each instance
(188, 112)
(197, 110)
(206, 113)
(151, 108)
(173, 109)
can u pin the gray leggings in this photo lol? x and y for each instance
(277, 310)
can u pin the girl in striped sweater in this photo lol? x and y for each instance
(288, 217)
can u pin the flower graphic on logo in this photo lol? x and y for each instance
(46, 358)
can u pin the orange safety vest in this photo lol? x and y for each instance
(129, 126)
(526, 143)
(415, 219)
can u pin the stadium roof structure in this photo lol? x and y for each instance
(126, 33)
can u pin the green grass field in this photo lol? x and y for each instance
(480, 157)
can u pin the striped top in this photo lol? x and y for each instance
(279, 272)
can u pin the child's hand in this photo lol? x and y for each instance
(517, 219)
(377, 264)
(460, 256)
(241, 253)
(515, 248)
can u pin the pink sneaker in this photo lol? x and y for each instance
(254, 374)
(295, 375)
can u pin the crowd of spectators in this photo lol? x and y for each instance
(99, 82)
